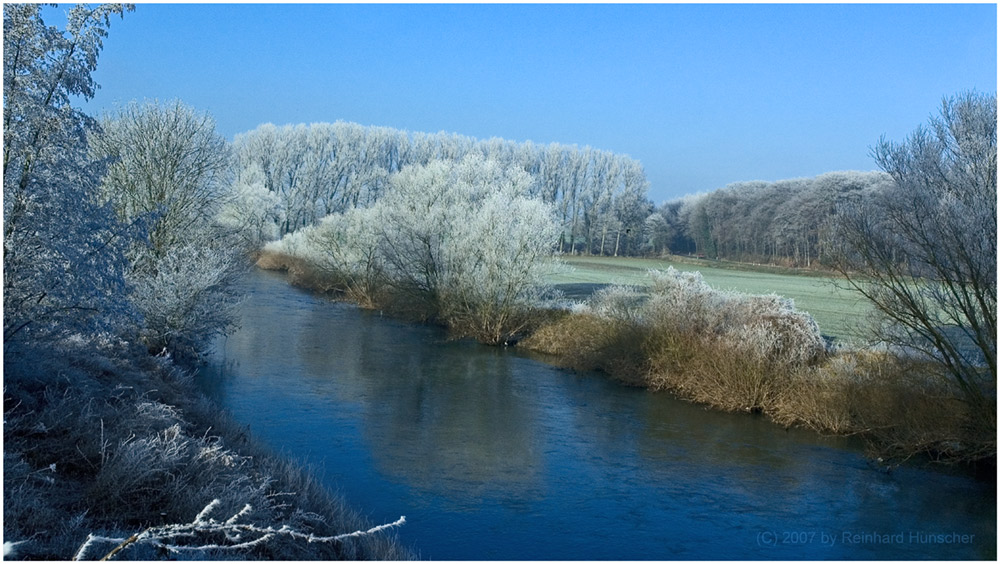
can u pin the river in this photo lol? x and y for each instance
(493, 455)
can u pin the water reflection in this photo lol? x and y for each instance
(437, 417)
(492, 455)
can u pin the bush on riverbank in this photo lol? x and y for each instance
(726, 349)
(756, 353)
(897, 404)
(94, 444)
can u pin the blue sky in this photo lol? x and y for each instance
(702, 95)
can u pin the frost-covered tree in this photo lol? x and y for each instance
(169, 167)
(779, 222)
(63, 259)
(923, 252)
(250, 209)
(167, 160)
(322, 169)
(446, 234)
(499, 257)
(346, 246)
(657, 234)
(464, 238)
(631, 208)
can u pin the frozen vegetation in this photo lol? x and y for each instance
(756, 353)
(125, 237)
(316, 170)
(462, 241)
(783, 223)
(117, 271)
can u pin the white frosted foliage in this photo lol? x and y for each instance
(467, 234)
(764, 327)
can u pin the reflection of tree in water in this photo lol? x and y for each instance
(442, 415)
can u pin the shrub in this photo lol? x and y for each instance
(897, 405)
(584, 341)
(733, 351)
(187, 297)
(764, 328)
(619, 303)
(713, 373)
(345, 247)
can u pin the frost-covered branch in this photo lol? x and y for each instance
(205, 533)
(923, 252)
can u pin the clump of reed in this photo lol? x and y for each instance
(899, 405)
(584, 341)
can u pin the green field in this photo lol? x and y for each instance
(837, 310)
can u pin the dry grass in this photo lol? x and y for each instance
(110, 447)
(902, 408)
(583, 341)
(714, 374)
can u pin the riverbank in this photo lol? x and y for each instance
(104, 442)
(898, 406)
(901, 407)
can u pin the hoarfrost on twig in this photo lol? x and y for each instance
(167, 536)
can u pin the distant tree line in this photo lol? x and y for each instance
(784, 222)
(289, 177)
(293, 176)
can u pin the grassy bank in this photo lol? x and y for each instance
(110, 444)
(901, 408)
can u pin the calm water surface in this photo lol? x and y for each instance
(492, 455)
